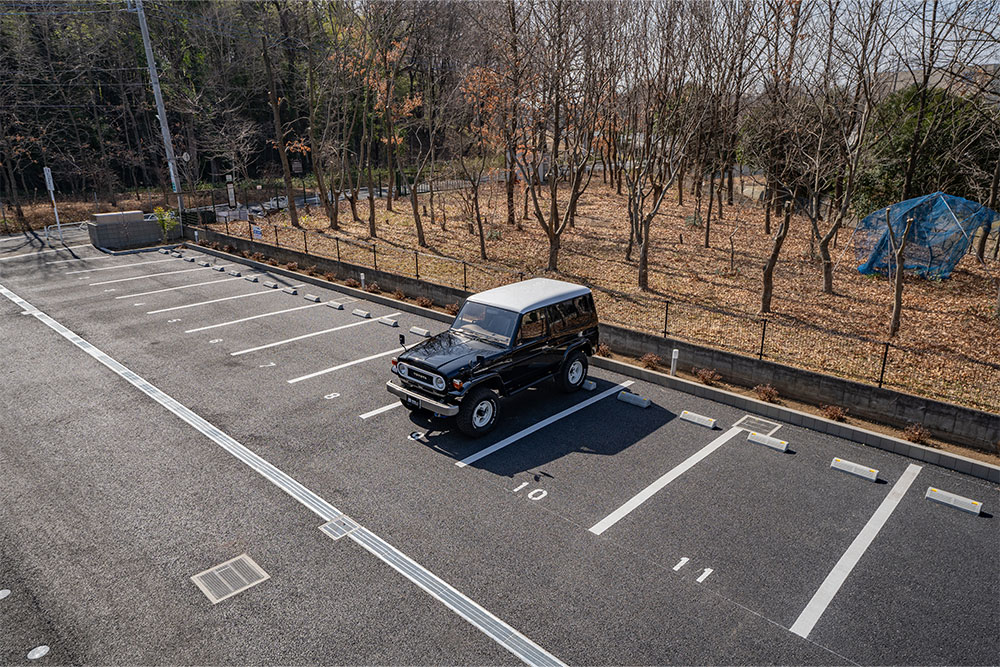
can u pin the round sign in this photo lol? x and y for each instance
(185, 156)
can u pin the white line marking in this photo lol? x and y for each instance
(171, 289)
(651, 490)
(540, 425)
(483, 620)
(345, 365)
(303, 336)
(43, 252)
(254, 317)
(838, 575)
(205, 303)
(151, 275)
(681, 563)
(704, 575)
(123, 266)
(81, 259)
(384, 408)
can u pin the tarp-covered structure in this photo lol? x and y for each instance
(943, 227)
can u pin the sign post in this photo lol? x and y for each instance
(297, 169)
(52, 195)
(231, 189)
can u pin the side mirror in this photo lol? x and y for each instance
(402, 340)
(480, 360)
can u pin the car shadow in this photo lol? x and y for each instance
(605, 428)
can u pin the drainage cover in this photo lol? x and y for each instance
(339, 527)
(228, 579)
(38, 652)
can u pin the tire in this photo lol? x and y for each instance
(572, 373)
(478, 412)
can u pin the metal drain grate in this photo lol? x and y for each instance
(339, 527)
(757, 425)
(228, 579)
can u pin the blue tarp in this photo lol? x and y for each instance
(943, 227)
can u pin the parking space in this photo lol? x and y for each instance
(604, 532)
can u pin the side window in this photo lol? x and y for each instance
(532, 326)
(585, 308)
(565, 317)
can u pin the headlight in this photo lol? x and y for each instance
(401, 369)
(439, 383)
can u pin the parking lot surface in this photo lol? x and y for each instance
(163, 417)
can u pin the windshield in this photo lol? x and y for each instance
(486, 322)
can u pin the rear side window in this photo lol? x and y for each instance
(532, 326)
(573, 314)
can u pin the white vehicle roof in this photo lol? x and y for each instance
(529, 294)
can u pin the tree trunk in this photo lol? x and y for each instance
(981, 248)
(553, 252)
(680, 185)
(511, 176)
(898, 248)
(644, 256)
(708, 216)
(416, 217)
(729, 184)
(772, 261)
(479, 222)
(279, 136)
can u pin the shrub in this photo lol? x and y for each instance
(650, 360)
(272, 262)
(424, 302)
(292, 266)
(398, 295)
(329, 276)
(373, 288)
(214, 245)
(766, 392)
(313, 271)
(258, 257)
(351, 282)
(229, 248)
(603, 350)
(707, 376)
(452, 308)
(835, 413)
(917, 433)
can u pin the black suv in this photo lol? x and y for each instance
(503, 341)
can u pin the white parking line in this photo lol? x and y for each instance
(171, 289)
(80, 259)
(123, 266)
(44, 252)
(651, 490)
(542, 424)
(345, 365)
(838, 575)
(308, 335)
(378, 411)
(494, 628)
(150, 275)
(254, 317)
(205, 303)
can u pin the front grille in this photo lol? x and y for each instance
(420, 377)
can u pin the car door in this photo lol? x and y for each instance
(528, 356)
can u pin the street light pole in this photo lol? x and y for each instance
(168, 145)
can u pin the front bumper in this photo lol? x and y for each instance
(415, 398)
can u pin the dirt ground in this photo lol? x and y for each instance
(948, 345)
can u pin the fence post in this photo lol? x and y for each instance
(885, 356)
(337, 241)
(227, 223)
(249, 231)
(305, 242)
(465, 276)
(666, 317)
(520, 275)
(276, 244)
(763, 335)
(416, 263)
(375, 256)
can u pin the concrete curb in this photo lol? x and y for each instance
(134, 251)
(856, 434)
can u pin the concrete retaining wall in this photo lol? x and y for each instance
(952, 423)
(126, 229)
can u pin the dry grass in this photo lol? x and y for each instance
(947, 326)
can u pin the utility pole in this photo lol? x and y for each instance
(161, 112)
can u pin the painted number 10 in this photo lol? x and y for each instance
(536, 494)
